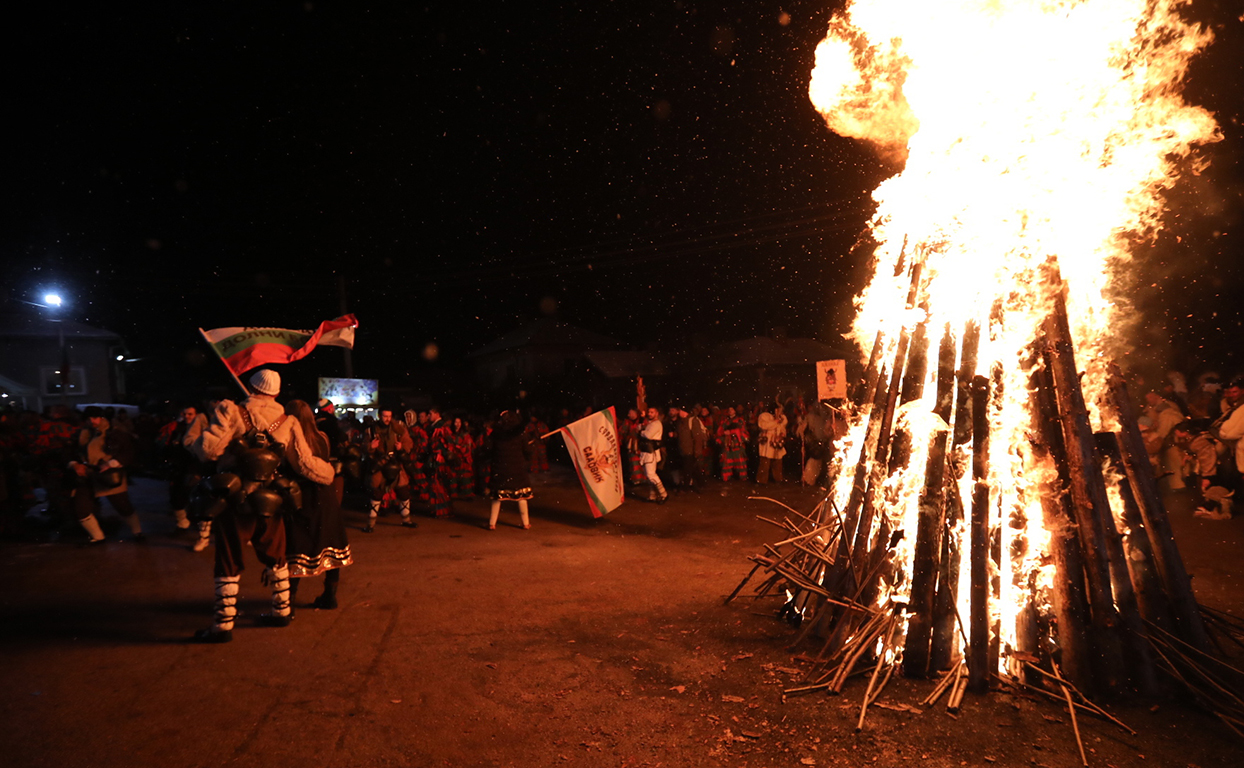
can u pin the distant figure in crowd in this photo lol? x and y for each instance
(1211, 497)
(1164, 415)
(692, 437)
(416, 424)
(669, 469)
(461, 461)
(630, 441)
(732, 438)
(253, 440)
(510, 457)
(180, 465)
(390, 445)
(440, 502)
(326, 421)
(481, 446)
(540, 451)
(98, 472)
(771, 444)
(650, 454)
(1229, 428)
(315, 535)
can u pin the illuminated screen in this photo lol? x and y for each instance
(350, 391)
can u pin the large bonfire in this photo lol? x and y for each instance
(1037, 139)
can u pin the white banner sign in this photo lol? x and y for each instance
(593, 444)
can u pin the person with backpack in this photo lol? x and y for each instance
(258, 448)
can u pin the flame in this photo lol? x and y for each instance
(1029, 129)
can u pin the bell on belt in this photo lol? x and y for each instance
(289, 492)
(264, 502)
(258, 464)
(224, 484)
(390, 471)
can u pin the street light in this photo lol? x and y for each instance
(52, 299)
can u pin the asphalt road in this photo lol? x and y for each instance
(579, 642)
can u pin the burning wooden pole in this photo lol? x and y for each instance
(1137, 549)
(1140, 661)
(1166, 555)
(978, 651)
(881, 456)
(944, 613)
(932, 520)
(1087, 488)
(1071, 610)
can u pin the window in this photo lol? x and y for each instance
(52, 381)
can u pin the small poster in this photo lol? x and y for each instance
(831, 380)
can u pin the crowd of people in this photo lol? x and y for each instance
(1194, 439)
(255, 474)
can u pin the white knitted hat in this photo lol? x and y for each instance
(266, 382)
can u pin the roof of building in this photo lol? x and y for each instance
(766, 351)
(624, 364)
(15, 389)
(546, 333)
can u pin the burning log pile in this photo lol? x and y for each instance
(1101, 610)
(993, 516)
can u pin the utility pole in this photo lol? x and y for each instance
(346, 352)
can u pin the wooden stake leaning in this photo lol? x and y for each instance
(1071, 709)
(872, 682)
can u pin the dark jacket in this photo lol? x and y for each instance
(511, 458)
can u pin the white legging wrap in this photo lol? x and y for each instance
(226, 603)
(496, 509)
(650, 473)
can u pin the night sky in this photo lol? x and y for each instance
(653, 171)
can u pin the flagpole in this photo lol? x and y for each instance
(550, 434)
(241, 386)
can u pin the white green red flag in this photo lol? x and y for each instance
(593, 444)
(244, 348)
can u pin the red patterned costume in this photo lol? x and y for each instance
(461, 462)
(732, 436)
(439, 501)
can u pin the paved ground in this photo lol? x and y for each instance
(580, 642)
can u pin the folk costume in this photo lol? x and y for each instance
(510, 456)
(630, 439)
(416, 462)
(254, 440)
(181, 468)
(439, 501)
(461, 463)
(315, 535)
(51, 444)
(390, 446)
(771, 444)
(483, 460)
(650, 456)
(732, 437)
(692, 438)
(99, 473)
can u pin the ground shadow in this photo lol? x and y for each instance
(102, 624)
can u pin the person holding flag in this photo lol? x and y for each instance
(254, 439)
(244, 348)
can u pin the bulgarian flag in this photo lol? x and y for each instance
(242, 349)
(593, 444)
